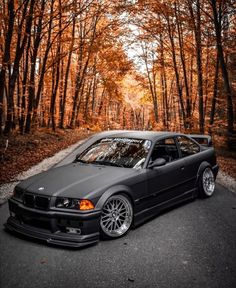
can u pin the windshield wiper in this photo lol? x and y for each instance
(106, 163)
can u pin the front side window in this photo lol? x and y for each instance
(187, 146)
(120, 152)
(165, 148)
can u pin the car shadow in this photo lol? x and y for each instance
(44, 243)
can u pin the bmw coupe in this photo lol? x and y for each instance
(113, 181)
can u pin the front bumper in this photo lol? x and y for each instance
(52, 226)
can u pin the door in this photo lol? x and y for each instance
(164, 182)
(189, 151)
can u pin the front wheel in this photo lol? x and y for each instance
(207, 183)
(117, 216)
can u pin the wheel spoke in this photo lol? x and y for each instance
(106, 209)
(120, 204)
(123, 209)
(117, 224)
(106, 220)
(109, 225)
(123, 213)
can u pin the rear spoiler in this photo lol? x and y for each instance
(204, 140)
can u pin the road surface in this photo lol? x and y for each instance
(193, 245)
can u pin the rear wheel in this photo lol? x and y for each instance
(207, 183)
(117, 216)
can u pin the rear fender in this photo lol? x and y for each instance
(201, 168)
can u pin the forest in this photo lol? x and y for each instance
(134, 64)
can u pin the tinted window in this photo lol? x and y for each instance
(203, 140)
(124, 152)
(165, 148)
(187, 146)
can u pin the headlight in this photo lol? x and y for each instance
(70, 203)
(18, 193)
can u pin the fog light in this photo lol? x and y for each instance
(12, 214)
(73, 230)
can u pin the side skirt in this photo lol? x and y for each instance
(148, 213)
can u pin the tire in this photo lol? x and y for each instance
(117, 217)
(207, 183)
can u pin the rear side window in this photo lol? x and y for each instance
(187, 146)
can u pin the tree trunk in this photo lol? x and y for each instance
(57, 71)
(217, 25)
(19, 52)
(24, 82)
(63, 103)
(182, 56)
(152, 83)
(6, 57)
(178, 86)
(196, 21)
(31, 89)
(215, 92)
(164, 87)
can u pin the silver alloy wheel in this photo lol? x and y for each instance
(208, 181)
(117, 216)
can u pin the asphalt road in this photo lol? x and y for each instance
(193, 245)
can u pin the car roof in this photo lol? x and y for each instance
(137, 134)
(199, 136)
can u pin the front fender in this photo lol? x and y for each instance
(114, 190)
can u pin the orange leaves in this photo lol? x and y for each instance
(28, 150)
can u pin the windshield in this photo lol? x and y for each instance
(120, 152)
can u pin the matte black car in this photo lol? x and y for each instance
(116, 180)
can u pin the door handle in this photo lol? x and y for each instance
(182, 168)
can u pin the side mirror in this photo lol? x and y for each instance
(158, 162)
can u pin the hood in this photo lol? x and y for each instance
(75, 180)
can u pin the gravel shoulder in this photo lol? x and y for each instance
(7, 189)
(226, 181)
